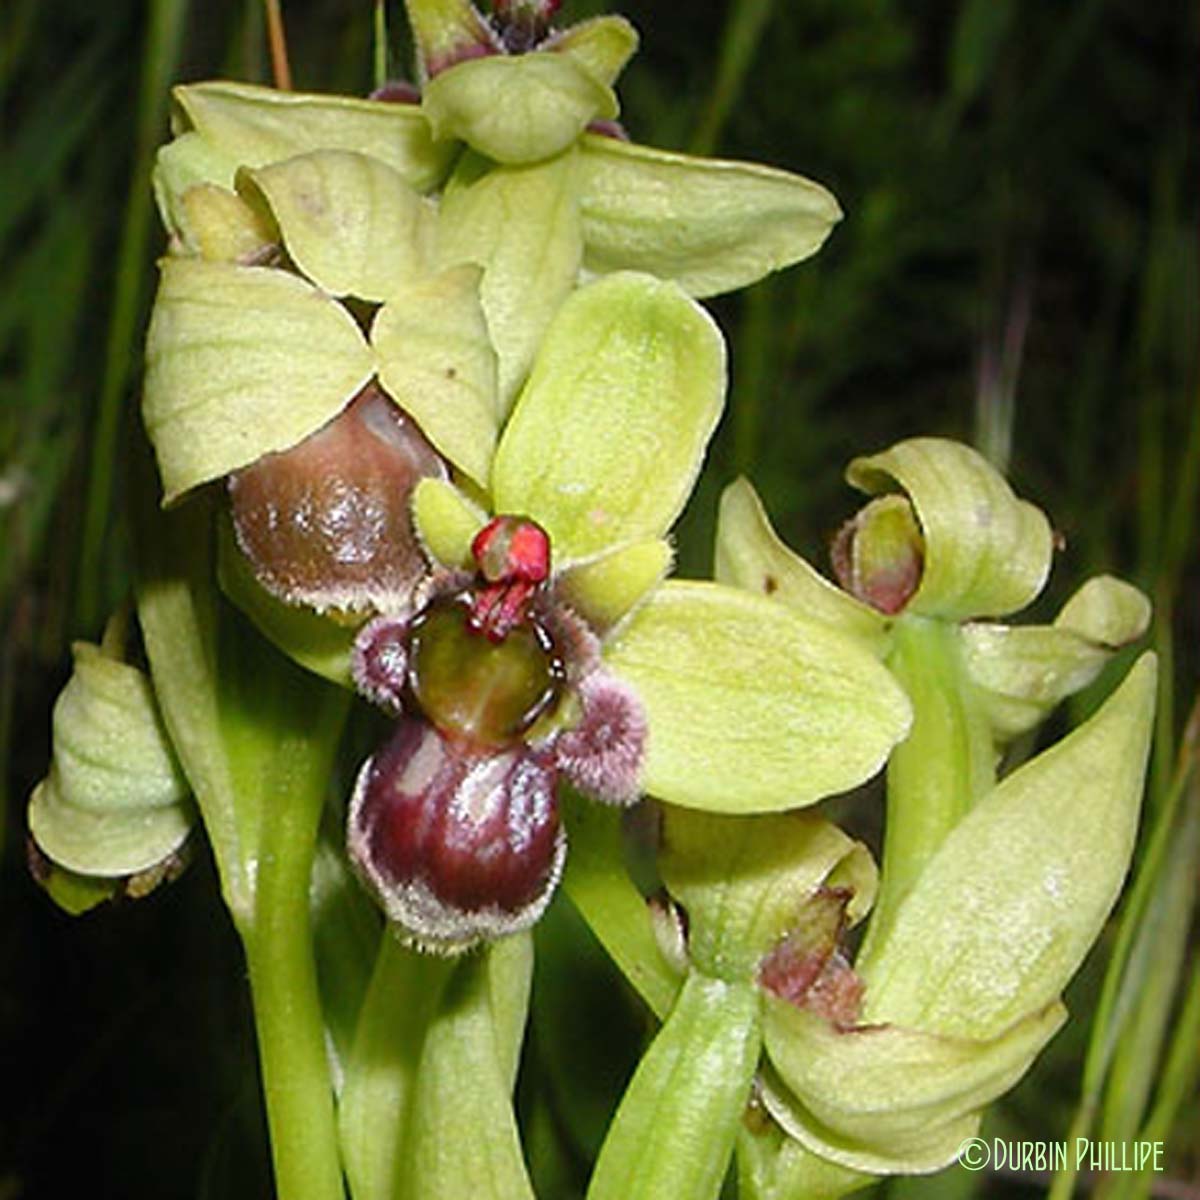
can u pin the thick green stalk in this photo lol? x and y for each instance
(936, 775)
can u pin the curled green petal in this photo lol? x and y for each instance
(602, 45)
(241, 361)
(710, 225)
(446, 522)
(606, 589)
(742, 881)
(752, 709)
(518, 109)
(986, 552)
(607, 438)
(521, 224)
(251, 126)
(750, 555)
(349, 221)
(436, 362)
(180, 165)
(884, 1099)
(221, 227)
(1004, 913)
(115, 801)
(1023, 672)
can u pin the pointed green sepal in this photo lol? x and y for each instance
(1023, 672)
(986, 553)
(115, 801)
(752, 709)
(605, 590)
(242, 361)
(601, 45)
(742, 881)
(519, 109)
(710, 225)
(350, 223)
(446, 522)
(1005, 912)
(608, 436)
(750, 555)
(436, 362)
(521, 224)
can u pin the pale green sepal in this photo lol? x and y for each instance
(349, 221)
(518, 109)
(608, 436)
(742, 881)
(115, 801)
(886, 1100)
(1004, 913)
(251, 126)
(242, 361)
(752, 709)
(604, 590)
(463, 1133)
(772, 1166)
(710, 225)
(446, 522)
(674, 1131)
(521, 224)
(436, 362)
(750, 555)
(986, 552)
(602, 46)
(1023, 672)
(314, 641)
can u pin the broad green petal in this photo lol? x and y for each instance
(601, 45)
(521, 224)
(115, 801)
(986, 552)
(752, 709)
(606, 589)
(436, 362)
(252, 126)
(446, 522)
(674, 1131)
(888, 1100)
(349, 221)
(750, 555)
(316, 642)
(742, 881)
(518, 109)
(1023, 672)
(710, 225)
(1004, 913)
(608, 436)
(242, 361)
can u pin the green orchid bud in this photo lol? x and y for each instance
(115, 803)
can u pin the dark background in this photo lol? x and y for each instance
(1017, 268)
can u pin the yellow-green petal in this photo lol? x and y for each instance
(242, 361)
(446, 522)
(751, 708)
(987, 553)
(251, 126)
(349, 221)
(750, 555)
(709, 224)
(436, 362)
(604, 590)
(221, 227)
(608, 436)
(115, 801)
(602, 45)
(521, 224)
(518, 109)
(1004, 913)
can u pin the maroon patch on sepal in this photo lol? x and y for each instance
(327, 522)
(604, 753)
(458, 845)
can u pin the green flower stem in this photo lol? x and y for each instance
(675, 1129)
(279, 952)
(936, 775)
